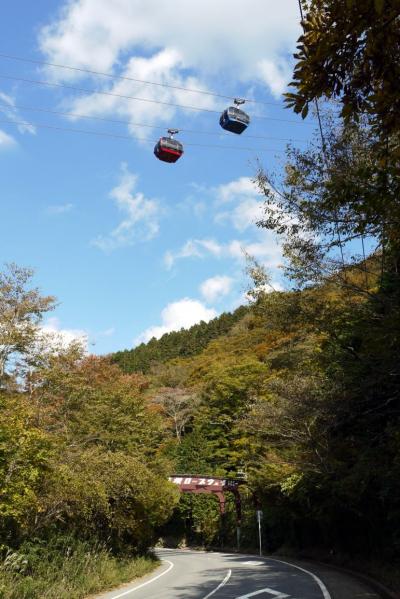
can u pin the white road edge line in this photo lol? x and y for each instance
(221, 584)
(319, 582)
(171, 565)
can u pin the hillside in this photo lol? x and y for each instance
(294, 394)
(183, 343)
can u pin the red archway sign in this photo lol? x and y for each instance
(216, 486)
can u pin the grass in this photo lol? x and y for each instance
(66, 569)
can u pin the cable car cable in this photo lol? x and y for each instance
(130, 137)
(124, 78)
(125, 122)
(104, 93)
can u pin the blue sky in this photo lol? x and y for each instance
(131, 246)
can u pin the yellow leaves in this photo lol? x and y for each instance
(112, 487)
(291, 482)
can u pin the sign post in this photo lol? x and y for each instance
(259, 518)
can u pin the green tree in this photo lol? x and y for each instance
(350, 51)
(111, 496)
(21, 311)
(26, 454)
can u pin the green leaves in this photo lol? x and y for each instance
(304, 112)
(79, 451)
(26, 453)
(114, 488)
(351, 52)
(21, 310)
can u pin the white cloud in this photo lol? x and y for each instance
(183, 313)
(211, 246)
(6, 140)
(193, 248)
(56, 335)
(7, 107)
(248, 203)
(59, 208)
(266, 249)
(215, 40)
(140, 222)
(192, 205)
(240, 204)
(229, 192)
(276, 73)
(162, 67)
(216, 288)
(246, 214)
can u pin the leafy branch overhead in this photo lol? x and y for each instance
(350, 52)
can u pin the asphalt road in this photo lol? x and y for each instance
(200, 575)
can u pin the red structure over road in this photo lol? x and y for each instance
(217, 486)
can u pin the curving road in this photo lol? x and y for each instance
(199, 575)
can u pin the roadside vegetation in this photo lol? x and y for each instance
(83, 481)
(66, 569)
(299, 390)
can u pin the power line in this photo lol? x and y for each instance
(130, 137)
(104, 93)
(125, 122)
(124, 78)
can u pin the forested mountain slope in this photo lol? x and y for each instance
(297, 395)
(186, 342)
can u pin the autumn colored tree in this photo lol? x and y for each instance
(178, 405)
(21, 311)
(79, 439)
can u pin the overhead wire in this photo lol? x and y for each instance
(130, 137)
(127, 97)
(128, 122)
(125, 78)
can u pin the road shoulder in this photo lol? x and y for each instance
(341, 584)
(127, 587)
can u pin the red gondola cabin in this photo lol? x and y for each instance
(168, 149)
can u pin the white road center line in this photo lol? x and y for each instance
(326, 594)
(171, 565)
(221, 584)
(276, 594)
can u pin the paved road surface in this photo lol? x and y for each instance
(200, 575)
